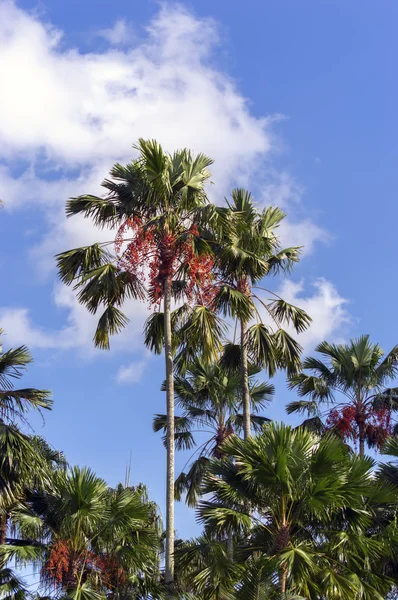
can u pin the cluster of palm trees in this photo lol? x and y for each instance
(292, 512)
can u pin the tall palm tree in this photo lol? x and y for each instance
(21, 459)
(14, 403)
(311, 507)
(211, 404)
(353, 378)
(26, 462)
(87, 537)
(154, 204)
(248, 252)
(386, 520)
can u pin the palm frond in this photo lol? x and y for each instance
(203, 332)
(288, 352)
(154, 332)
(233, 303)
(111, 322)
(261, 347)
(13, 363)
(75, 263)
(282, 311)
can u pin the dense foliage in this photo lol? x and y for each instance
(287, 513)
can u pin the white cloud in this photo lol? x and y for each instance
(19, 329)
(79, 329)
(121, 33)
(303, 233)
(77, 109)
(281, 189)
(325, 306)
(131, 373)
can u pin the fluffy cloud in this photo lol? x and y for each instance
(75, 109)
(71, 115)
(131, 373)
(303, 233)
(78, 331)
(324, 305)
(121, 33)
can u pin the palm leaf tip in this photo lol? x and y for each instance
(74, 263)
(154, 332)
(111, 322)
(282, 311)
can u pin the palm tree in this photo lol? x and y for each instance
(21, 460)
(87, 537)
(154, 203)
(205, 570)
(211, 403)
(249, 251)
(11, 586)
(386, 520)
(14, 403)
(307, 531)
(353, 378)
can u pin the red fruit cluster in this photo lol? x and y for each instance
(64, 566)
(155, 257)
(344, 422)
(379, 427)
(112, 574)
(59, 564)
(347, 422)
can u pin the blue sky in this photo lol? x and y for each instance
(295, 100)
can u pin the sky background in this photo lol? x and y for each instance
(294, 99)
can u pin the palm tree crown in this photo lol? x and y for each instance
(248, 252)
(211, 405)
(304, 506)
(354, 378)
(86, 536)
(15, 402)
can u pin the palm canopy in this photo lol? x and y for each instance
(251, 249)
(311, 508)
(354, 379)
(26, 462)
(152, 207)
(247, 252)
(210, 402)
(86, 535)
(14, 403)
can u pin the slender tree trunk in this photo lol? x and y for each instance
(361, 426)
(3, 528)
(361, 441)
(245, 381)
(169, 573)
(283, 578)
(230, 545)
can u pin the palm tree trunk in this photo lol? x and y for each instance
(169, 573)
(361, 441)
(245, 381)
(230, 545)
(3, 528)
(283, 578)
(361, 426)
